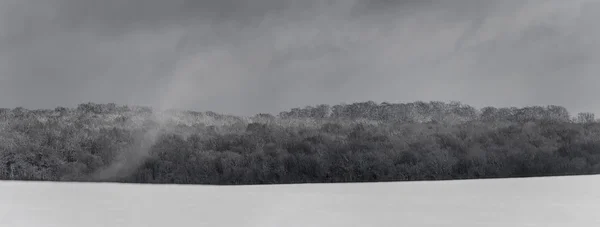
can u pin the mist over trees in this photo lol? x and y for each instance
(359, 142)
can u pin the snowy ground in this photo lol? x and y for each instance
(544, 202)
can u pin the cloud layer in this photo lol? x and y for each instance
(245, 57)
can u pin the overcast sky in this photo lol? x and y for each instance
(251, 56)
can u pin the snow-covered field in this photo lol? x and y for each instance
(544, 202)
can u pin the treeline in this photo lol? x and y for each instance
(453, 112)
(360, 142)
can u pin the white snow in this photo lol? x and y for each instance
(545, 202)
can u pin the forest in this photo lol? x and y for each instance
(358, 142)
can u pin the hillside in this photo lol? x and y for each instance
(360, 142)
(534, 202)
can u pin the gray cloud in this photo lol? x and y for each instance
(245, 57)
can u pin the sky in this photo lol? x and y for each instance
(252, 56)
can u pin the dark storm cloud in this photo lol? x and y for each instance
(268, 55)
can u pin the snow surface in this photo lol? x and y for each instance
(545, 202)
